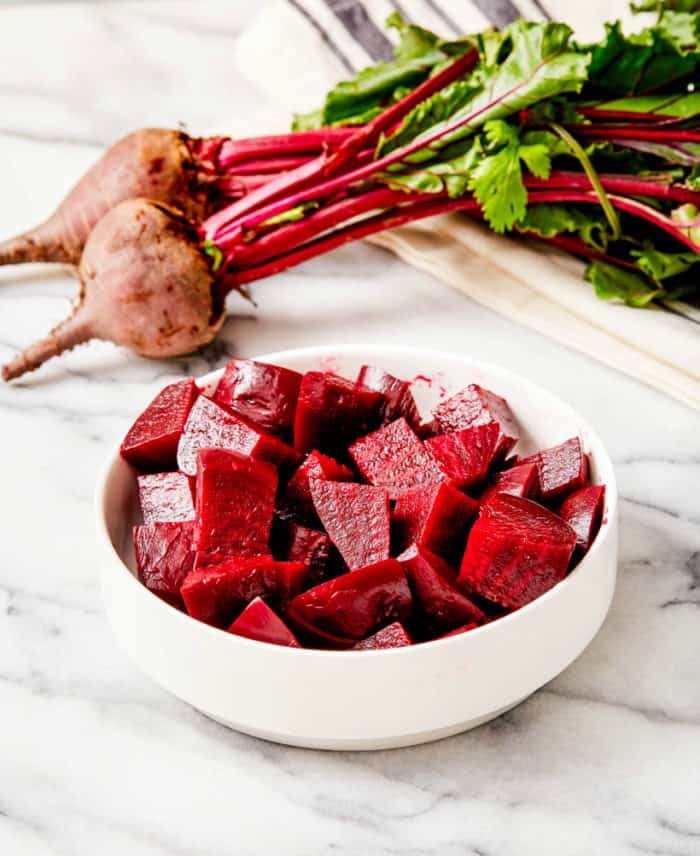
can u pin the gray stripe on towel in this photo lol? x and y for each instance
(361, 27)
(323, 34)
(498, 12)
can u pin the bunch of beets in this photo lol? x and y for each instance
(260, 496)
(593, 148)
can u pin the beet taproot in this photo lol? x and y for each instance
(235, 503)
(259, 622)
(165, 497)
(151, 443)
(560, 469)
(394, 458)
(218, 594)
(398, 398)
(332, 412)
(466, 455)
(265, 394)
(392, 636)
(164, 557)
(211, 426)
(583, 511)
(437, 517)
(474, 406)
(315, 466)
(145, 283)
(517, 550)
(154, 163)
(354, 605)
(435, 594)
(356, 518)
(520, 480)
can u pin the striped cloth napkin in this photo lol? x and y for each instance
(296, 49)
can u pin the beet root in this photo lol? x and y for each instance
(154, 163)
(145, 284)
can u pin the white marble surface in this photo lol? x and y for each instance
(95, 759)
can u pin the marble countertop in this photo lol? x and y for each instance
(94, 758)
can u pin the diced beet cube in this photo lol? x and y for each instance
(520, 480)
(312, 548)
(332, 412)
(316, 466)
(394, 458)
(265, 394)
(466, 455)
(478, 406)
(435, 594)
(436, 517)
(398, 398)
(150, 444)
(259, 622)
(203, 559)
(216, 595)
(459, 630)
(356, 518)
(210, 426)
(235, 503)
(354, 605)
(164, 557)
(516, 551)
(583, 511)
(560, 469)
(165, 497)
(392, 636)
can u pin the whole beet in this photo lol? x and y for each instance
(154, 163)
(145, 284)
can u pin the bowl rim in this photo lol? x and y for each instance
(325, 351)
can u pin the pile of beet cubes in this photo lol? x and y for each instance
(322, 512)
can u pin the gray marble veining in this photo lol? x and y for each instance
(94, 758)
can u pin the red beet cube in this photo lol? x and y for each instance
(435, 594)
(165, 497)
(151, 443)
(436, 517)
(265, 394)
(356, 518)
(216, 595)
(460, 630)
(560, 469)
(164, 557)
(312, 548)
(354, 605)
(583, 511)
(516, 551)
(394, 458)
(392, 636)
(259, 622)
(210, 426)
(316, 466)
(332, 412)
(398, 399)
(466, 455)
(520, 480)
(478, 406)
(235, 503)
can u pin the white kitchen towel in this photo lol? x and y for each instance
(296, 49)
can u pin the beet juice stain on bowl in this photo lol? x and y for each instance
(290, 507)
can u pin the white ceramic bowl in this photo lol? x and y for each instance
(369, 699)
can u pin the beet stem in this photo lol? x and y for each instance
(71, 332)
(656, 186)
(353, 232)
(266, 202)
(369, 134)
